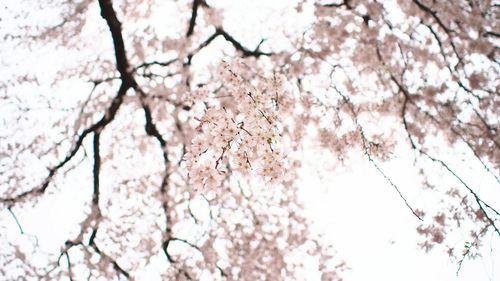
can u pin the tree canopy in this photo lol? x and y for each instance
(171, 133)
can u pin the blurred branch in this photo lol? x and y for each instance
(18, 223)
(433, 14)
(194, 13)
(114, 25)
(478, 200)
(115, 264)
(407, 98)
(367, 153)
(219, 31)
(16, 220)
(468, 247)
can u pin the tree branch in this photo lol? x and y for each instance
(114, 25)
(246, 52)
(368, 155)
(192, 21)
(115, 264)
(219, 31)
(108, 13)
(433, 14)
(97, 168)
(478, 200)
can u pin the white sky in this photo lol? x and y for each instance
(372, 229)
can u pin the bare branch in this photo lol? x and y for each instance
(219, 31)
(481, 204)
(433, 14)
(368, 155)
(194, 13)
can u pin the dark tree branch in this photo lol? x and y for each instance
(478, 200)
(108, 13)
(433, 14)
(70, 272)
(64, 252)
(441, 24)
(165, 250)
(151, 63)
(184, 241)
(114, 25)
(95, 206)
(481, 204)
(440, 44)
(246, 52)
(405, 122)
(93, 218)
(96, 248)
(491, 33)
(97, 168)
(152, 130)
(106, 119)
(407, 97)
(219, 31)
(16, 220)
(18, 223)
(346, 3)
(368, 155)
(348, 6)
(468, 248)
(165, 245)
(471, 147)
(194, 14)
(200, 47)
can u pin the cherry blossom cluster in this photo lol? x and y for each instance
(241, 135)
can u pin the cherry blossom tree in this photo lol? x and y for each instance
(179, 128)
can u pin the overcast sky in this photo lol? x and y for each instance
(356, 209)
